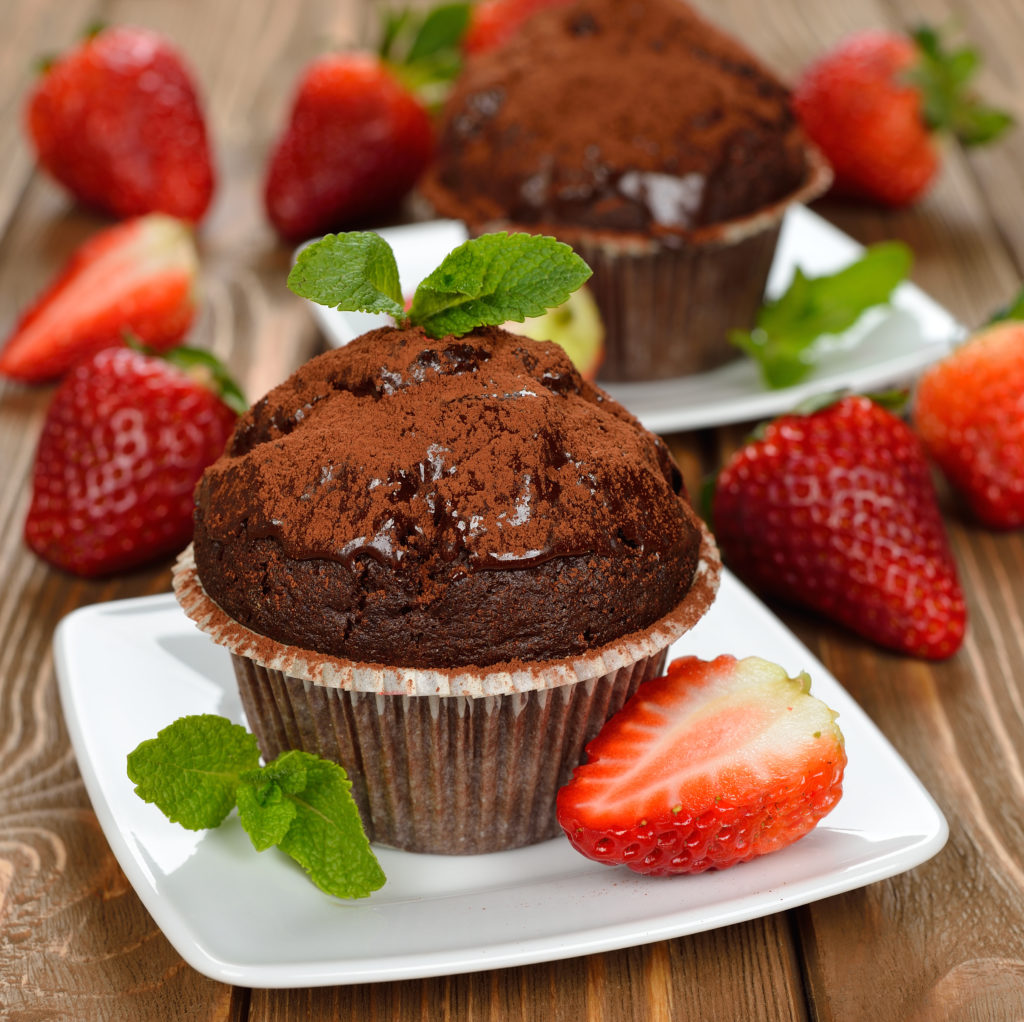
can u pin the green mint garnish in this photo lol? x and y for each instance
(495, 278)
(783, 340)
(356, 272)
(486, 281)
(199, 768)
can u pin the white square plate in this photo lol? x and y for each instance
(888, 346)
(126, 669)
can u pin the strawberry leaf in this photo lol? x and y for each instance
(197, 361)
(1015, 310)
(355, 271)
(943, 78)
(424, 51)
(495, 278)
(441, 30)
(783, 339)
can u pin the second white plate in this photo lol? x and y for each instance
(129, 668)
(888, 346)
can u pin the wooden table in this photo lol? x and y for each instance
(943, 941)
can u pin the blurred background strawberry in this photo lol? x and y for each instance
(117, 121)
(875, 103)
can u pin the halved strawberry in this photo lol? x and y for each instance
(713, 764)
(137, 278)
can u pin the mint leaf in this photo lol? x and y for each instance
(264, 809)
(355, 271)
(326, 836)
(191, 769)
(782, 341)
(489, 280)
(199, 767)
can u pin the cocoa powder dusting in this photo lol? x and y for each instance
(403, 496)
(621, 115)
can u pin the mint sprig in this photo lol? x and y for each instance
(200, 767)
(486, 281)
(355, 271)
(783, 339)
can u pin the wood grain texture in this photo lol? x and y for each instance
(944, 941)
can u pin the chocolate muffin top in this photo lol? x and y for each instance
(616, 115)
(442, 503)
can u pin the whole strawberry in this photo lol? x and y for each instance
(835, 511)
(969, 413)
(124, 442)
(356, 142)
(874, 103)
(711, 765)
(138, 277)
(116, 121)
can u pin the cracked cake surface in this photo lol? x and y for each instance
(439, 503)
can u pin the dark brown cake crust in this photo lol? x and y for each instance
(443, 503)
(617, 115)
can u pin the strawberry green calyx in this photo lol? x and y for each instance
(1014, 310)
(200, 767)
(214, 374)
(486, 281)
(943, 77)
(424, 49)
(782, 341)
(203, 366)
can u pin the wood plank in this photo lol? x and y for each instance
(951, 721)
(77, 942)
(744, 972)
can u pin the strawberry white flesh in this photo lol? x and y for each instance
(137, 278)
(708, 766)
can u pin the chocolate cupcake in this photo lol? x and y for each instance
(444, 564)
(653, 143)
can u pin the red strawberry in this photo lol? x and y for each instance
(117, 122)
(711, 765)
(873, 103)
(138, 277)
(494, 22)
(123, 444)
(355, 144)
(969, 413)
(835, 511)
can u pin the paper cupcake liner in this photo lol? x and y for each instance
(668, 300)
(667, 313)
(460, 761)
(449, 775)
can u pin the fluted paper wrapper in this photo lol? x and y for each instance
(668, 301)
(464, 761)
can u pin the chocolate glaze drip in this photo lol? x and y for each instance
(439, 503)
